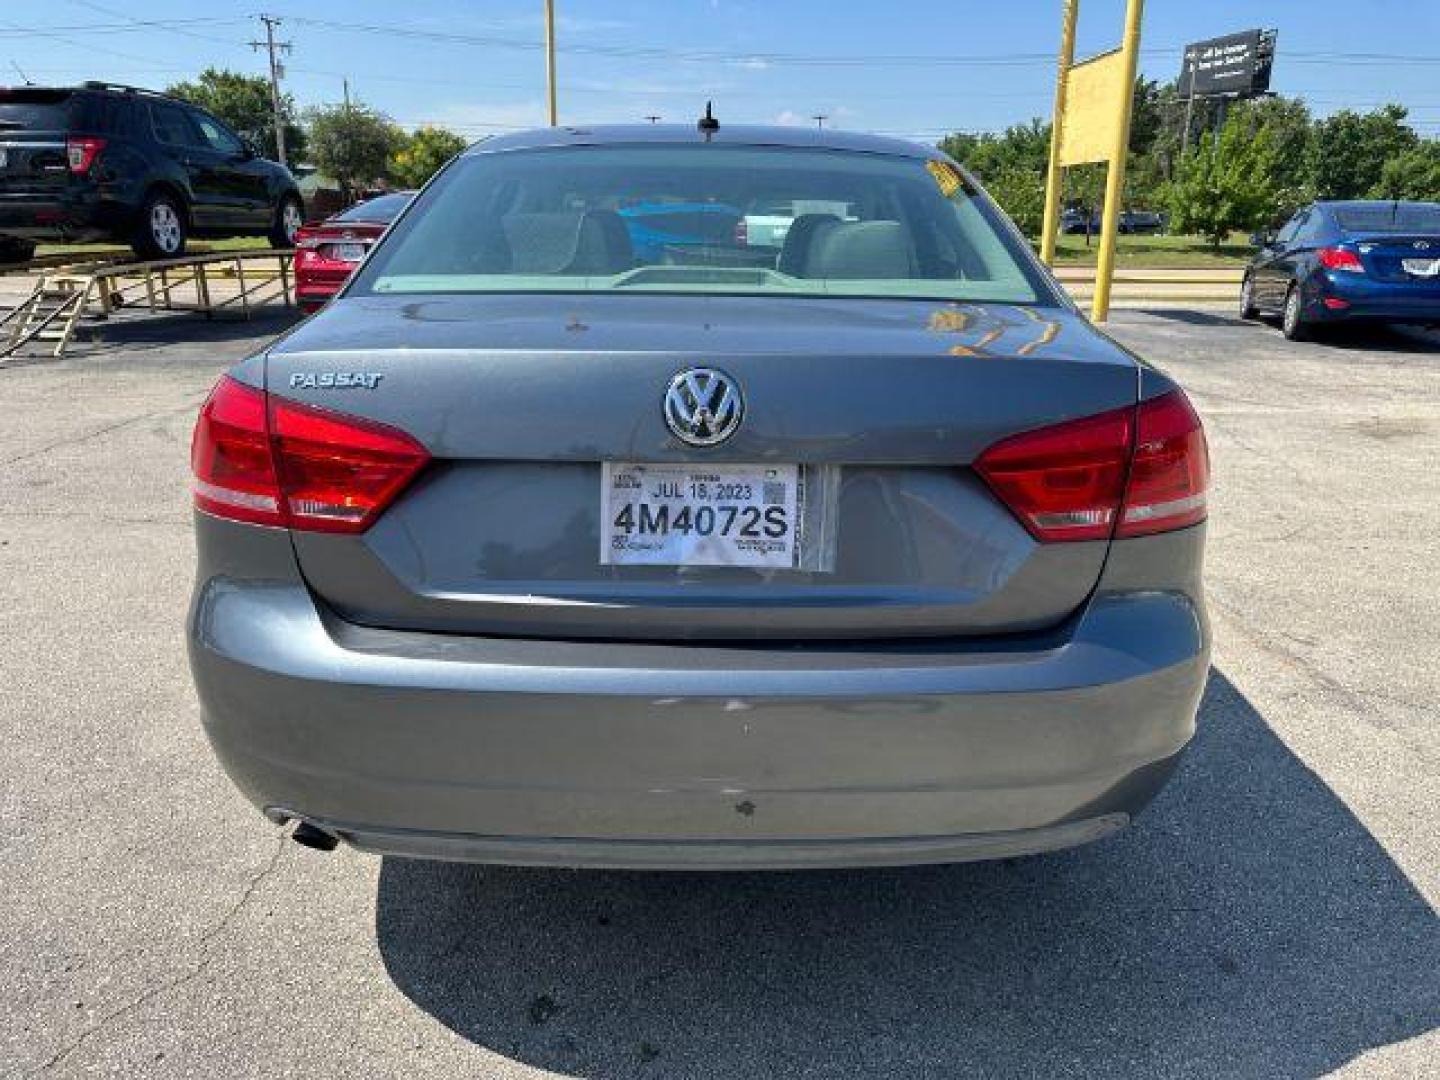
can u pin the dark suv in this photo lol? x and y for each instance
(103, 162)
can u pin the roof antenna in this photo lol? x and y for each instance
(22, 73)
(708, 124)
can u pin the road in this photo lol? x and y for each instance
(1273, 915)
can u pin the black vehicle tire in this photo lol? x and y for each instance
(1248, 310)
(1292, 319)
(289, 216)
(161, 227)
(14, 251)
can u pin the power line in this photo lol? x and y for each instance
(817, 59)
(75, 44)
(631, 51)
(169, 26)
(131, 26)
(699, 55)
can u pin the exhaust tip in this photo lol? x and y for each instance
(317, 839)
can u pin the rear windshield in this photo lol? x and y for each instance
(380, 208)
(36, 110)
(1391, 218)
(704, 219)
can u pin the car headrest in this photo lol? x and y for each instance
(541, 242)
(860, 249)
(796, 248)
(603, 245)
(564, 242)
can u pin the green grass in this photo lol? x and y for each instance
(1181, 252)
(196, 247)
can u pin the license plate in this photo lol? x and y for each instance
(347, 252)
(1422, 267)
(694, 515)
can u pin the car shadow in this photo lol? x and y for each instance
(1248, 925)
(1381, 337)
(1193, 316)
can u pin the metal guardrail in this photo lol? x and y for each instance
(197, 283)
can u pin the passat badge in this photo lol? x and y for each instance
(335, 380)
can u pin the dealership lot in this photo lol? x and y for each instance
(1272, 915)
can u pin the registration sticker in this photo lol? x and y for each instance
(700, 515)
(947, 177)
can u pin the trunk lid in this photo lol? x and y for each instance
(521, 398)
(322, 238)
(34, 124)
(1411, 258)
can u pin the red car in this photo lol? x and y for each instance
(328, 251)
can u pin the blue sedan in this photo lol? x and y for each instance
(1376, 261)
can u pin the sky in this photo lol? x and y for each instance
(915, 68)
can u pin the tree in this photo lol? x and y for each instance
(352, 143)
(1414, 174)
(243, 102)
(1349, 150)
(1012, 167)
(1022, 146)
(1147, 115)
(1226, 183)
(1021, 194)
(422, 154)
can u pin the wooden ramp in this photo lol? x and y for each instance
(227, 283)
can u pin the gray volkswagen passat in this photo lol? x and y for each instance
(581, 530)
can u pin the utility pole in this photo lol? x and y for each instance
(820, 119)
(654, 118)
(550, 60)
(1194, 63)
(1054, 179)
(276, 71)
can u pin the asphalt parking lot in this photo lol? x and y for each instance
(1273, 915)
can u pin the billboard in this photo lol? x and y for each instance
(1237, 65)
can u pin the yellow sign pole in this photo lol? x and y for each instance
(550, 59)
(1057, 124)
(1115, 174)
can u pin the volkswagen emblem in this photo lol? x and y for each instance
(703, 407)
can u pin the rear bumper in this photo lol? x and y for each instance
(1375, 301)
(73, 214)
(600, 754)
(764, 854)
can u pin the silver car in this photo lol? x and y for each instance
(580, 531)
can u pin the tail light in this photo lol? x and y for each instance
(1333, 258)
(1170, 474)
(1064, 482)
(270, 461)
(1128, 472)
(230, 457)
(81, 152)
